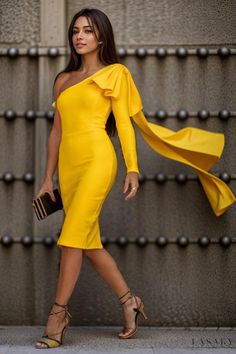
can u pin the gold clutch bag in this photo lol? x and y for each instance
(44, 205)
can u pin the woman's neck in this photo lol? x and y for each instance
(89, 63)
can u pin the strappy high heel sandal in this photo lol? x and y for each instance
(47, 341)
(128, 332)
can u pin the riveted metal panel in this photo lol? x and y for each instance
(187, 287)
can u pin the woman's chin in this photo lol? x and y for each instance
(83, 51)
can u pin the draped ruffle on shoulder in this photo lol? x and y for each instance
(110, 81)
(198, 148)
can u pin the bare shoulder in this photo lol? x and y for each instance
(60, 80)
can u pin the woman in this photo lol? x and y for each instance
(92, 88)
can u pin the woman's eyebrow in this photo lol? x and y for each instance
(83, 26)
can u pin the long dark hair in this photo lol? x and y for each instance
(107, 52)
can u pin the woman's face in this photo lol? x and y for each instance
(84, 38)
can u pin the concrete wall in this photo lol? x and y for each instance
(181, 286)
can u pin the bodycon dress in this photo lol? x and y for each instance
(87, 163)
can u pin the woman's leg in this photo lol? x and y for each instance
(70, 266)
(107, 268)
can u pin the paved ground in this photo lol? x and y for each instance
(103, 340)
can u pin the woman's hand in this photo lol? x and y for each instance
(131, 181)
(47, 186)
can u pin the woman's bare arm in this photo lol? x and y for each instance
(53, 144)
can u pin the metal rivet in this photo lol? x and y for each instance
(49, 114)
(181, 52)
(225, 176)
(104, 240)
(203, 114)
(162, 241)
(151, 114)
(204, 241)
(160, 178)
(202, 52)
(161, 114)
(161, 52)
(225, 241)
(33, 52)
(182, 241)
(122, 52)
(182, 114)
(13, 52)
(122, 241)
(7, 240)
(224, 114)
(30, 114)
(224, 52)
(181, 178)
(28, 177)
(27, 240)
(53, 52)
(141, 52)
(141, 241)
(48, 241)
(8, 177)
(10, 114)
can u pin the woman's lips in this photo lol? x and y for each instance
(80, 45)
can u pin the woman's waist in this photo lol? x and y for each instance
(86, 140)
(83, 131)
(80, 149)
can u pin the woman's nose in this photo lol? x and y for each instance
(79, 35)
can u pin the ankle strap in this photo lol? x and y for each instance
(128, 298)
(124, 294)
(63, 306)
(65, 309)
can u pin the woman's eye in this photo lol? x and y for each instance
(86, 31)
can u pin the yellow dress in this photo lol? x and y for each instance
(87, 163)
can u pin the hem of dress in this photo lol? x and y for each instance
(61, 244)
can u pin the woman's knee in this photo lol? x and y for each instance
(100, 256)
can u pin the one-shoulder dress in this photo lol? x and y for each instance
(87, 163)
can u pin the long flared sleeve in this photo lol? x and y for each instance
(198, 148)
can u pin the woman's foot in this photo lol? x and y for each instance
(58, 320)
(132, 306)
